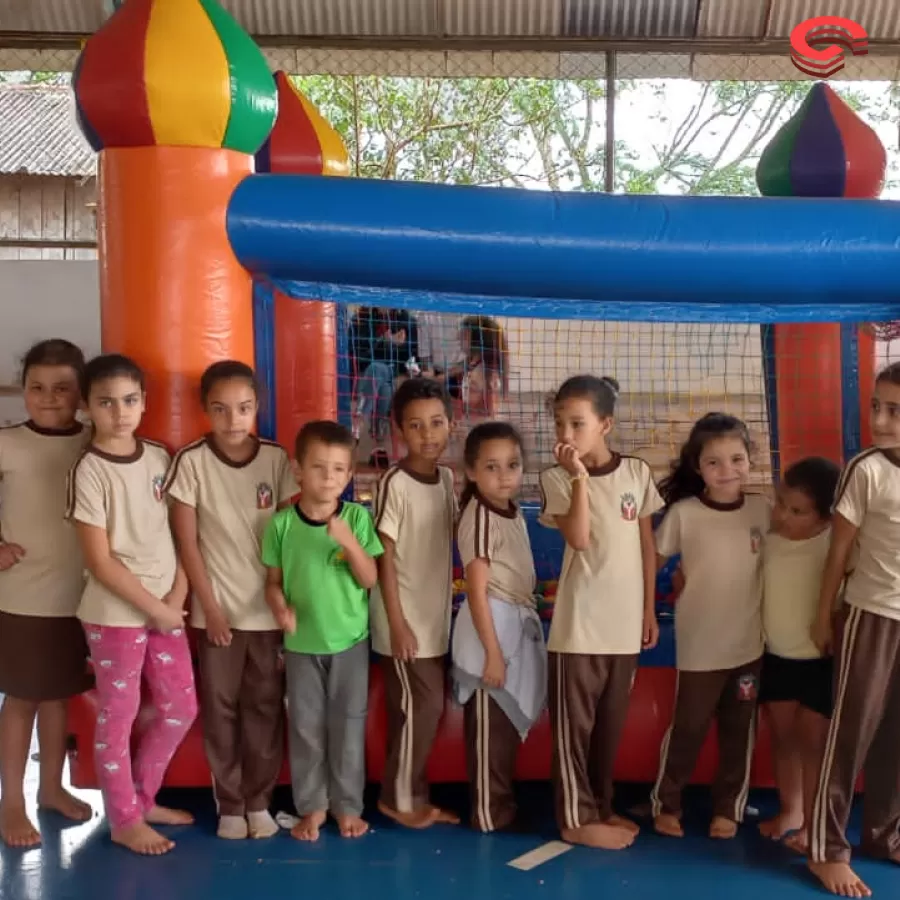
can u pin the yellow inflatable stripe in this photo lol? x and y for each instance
(187, 76)
(334, 154)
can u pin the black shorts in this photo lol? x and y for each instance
(808, 682)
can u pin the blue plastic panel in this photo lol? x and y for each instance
(521, 250)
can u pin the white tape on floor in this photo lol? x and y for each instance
(537, 857)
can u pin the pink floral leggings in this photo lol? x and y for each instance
(123, 658)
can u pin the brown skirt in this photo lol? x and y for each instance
(43, 658)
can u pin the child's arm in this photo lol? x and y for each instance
(118, 580)
(649, 559)
(362, 565)
(477, 572)
(843, 534)
(184, 524)
(284, 615)
(179, 590)
(404, 645)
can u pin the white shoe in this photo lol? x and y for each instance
(262, 825)
(232, 828)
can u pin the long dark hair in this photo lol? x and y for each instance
(480, 434)
(487, 342)
(685, 479)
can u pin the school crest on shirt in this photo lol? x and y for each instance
(628, 506)
(158, 482)
(264, 495)
(755, 539)
(747, 687)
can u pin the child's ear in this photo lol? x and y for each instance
(295, 469)
(608, 423)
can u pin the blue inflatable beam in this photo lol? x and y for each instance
(510, 248)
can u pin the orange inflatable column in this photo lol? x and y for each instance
(306, 378)
(177, 98)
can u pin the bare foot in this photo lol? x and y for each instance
(622, 822)
(798, 842)
(778, 826)
(423, 817)
(840, 879)
(351, 826)
(722, 828)
(162, 815)
(61, 801)
(599, 835)
(307, 829)
(16, 829)
(141, 838)
(668, 825)
(445, 816)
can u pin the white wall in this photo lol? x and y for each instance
(38, 300)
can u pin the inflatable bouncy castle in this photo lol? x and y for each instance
(230, 228)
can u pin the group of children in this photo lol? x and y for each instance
(290, 583)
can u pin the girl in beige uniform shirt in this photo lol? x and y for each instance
(43, 654)
(225, 488)
(602, 502)
(718, 529)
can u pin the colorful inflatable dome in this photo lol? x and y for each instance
(824, 150)
(301, 142)
(176, 73)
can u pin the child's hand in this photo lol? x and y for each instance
(10, 554)
(287, 620)
(339, 531)
(822, 633)
(176, 597)
(494, 674)
(567, 456)
(169, 618)
(218, 631)
(651, 632)
(404, 645)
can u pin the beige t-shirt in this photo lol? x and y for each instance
(34, 463)
(792, 579)
(124, 496)
(233, 502)
(417, 514)
(501, 537)
(600, 598)
(718, 617)
(868, 496)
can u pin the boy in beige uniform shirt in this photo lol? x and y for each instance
(415, 510)
(865, 725)
(226, 487)
(43, 654)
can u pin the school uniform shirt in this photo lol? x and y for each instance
(499, 536)
(718, 616)
(599, 605)
(34, 463)
(792, 580)
(417, 513)
(124, 495)
(868, 497)
(233, 502)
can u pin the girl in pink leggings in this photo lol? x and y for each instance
(132, 608)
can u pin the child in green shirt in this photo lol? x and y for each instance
(320, 555)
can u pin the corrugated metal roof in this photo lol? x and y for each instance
(630, 18)
(432, 20)
(727, 18)
(881, 18)
(39, 135)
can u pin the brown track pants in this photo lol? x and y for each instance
(864, 734)
(242, 708)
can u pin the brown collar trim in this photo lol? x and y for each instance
(403, 465)
(721, 507)
(72, 430)
(115, 458)
(509, 513)
(226, 460)
(607, 469)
